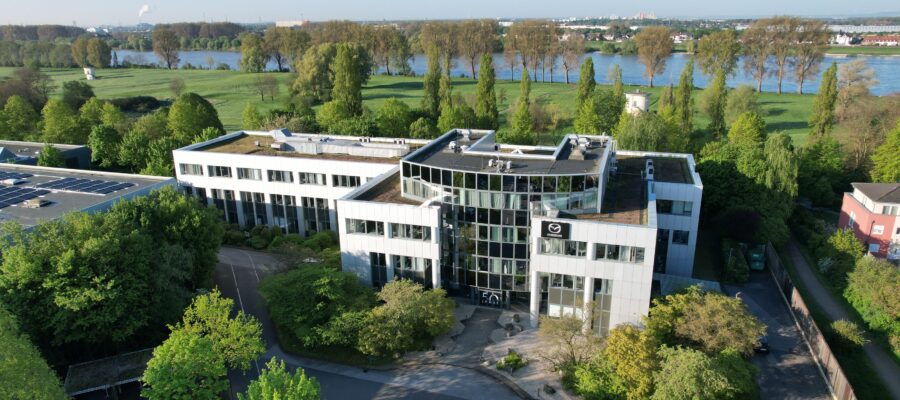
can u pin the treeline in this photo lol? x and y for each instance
(85, 51)
(47, 33)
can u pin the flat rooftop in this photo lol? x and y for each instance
(386, 191)
(665, 169)
(261, 145)
(524, 159)
(62, 201)
(625, 199)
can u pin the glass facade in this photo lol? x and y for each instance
(485, 242)
(253, 205)
(284, 213)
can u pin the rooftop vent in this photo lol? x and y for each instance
(35, 203)
(13, 181)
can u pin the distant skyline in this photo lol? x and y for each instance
(126, 12)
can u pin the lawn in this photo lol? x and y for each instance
(865, 50)
(229, 91)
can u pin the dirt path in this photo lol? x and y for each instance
(881, 361)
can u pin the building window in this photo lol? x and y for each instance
(280, 176)
(565, 296)
(852, 220)
(889, 210)
(406, 231)
(310, 178)
(191, 169)
(378, 262)
(874, 247)
(315, 214)
(224, 201)
(680, 237)
(344, 181)
(614, 252)
(416, 269)
(201, 195)
(602, 305)
(254, 207)
(674, 207)
(284, 213)
(250, 174)
(219, 171)
(365, 227)
(563, 247)
(878, 229)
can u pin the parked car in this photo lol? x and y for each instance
(762, 345)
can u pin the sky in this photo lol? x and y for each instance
(125, 12)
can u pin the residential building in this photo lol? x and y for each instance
(31, 195)
(881, 40)
(27, 153)
(872, 211)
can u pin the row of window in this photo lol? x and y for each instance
(499, 200)
(365, 227)
(285, 210)
(566, 297)
(674, 207)
(397, 231)
(255, 174)
(505, 183)
(416, 269)
(602, 251)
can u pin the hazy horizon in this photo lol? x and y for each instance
(129, 12)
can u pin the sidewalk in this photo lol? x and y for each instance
(881, 361)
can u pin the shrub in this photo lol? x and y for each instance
(873, 289)
(849, 334)
(512, 362)
(736, 269)
(844, 249)
(141, 104)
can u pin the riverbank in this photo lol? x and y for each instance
(863, 51)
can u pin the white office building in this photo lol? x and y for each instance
(548, 229)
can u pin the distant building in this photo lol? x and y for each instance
(637, 102)
(872, 211)
(31, 195)
(27, 153)
(292, 24)
(842, 39)
(881, 40)
(681, 37)
(864, 28)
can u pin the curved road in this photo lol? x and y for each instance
(881, 361)
(238, 275)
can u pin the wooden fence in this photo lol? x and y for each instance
(840, 386)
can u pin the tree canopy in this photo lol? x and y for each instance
(23, 372)
(275, 382)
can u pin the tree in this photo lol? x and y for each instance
(254, 54)
(19, 117)
(809, 50)
(266, 84)
(273, 43)
(236, 339)
(394, 118)
(275, 382)
(741, 100)
(872, 290)
(854, 81)
(135, 141)
(586, 83)
(649, 132)
(104, 143)
(599, 114)
(190, 114)
(60, 124)
(76, 93)
(251, 118)
(843, 250)
(456, 116)
(654, 45)
(110, 115)
(822, 118)
(91, 113)
(820, 174)
(445, 93)
(431, 101)
(572, 51)
(474, 39)
(176, 86)
(80, 51)
(98, 53)
(422, 128)
(315, 76)
(718, 50)
(782, 39)
(632, 353)
(757, 50)
(165, 45)
(184, 366)
(587, 120)
(885, 162)
(23, 372)
(347, 90)
(689, 374)
(566, 342)
(485, 98)
(521, 124)
(683, 102)
(717, 322)
(714, 101)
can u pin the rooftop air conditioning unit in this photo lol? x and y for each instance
(13, 181)
(35, 203)
(453, 145)
(491, 162)
(509, 165)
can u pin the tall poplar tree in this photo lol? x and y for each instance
(431, 101)
(683, 103)
(485, 97)
(822, 118)
(347, 90)
(522, 123)
(715, 98)
(586, 83)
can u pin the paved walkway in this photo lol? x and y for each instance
(881, 361)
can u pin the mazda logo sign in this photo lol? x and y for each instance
(554, 228)
(557, 230)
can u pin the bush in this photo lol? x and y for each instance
(140, 104)
(736, 269)
(512, 362)
(843, 249)
(849, 334)
(873, 289)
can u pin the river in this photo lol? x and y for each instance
(887, 69)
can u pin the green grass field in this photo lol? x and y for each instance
(229, 91)
(865, 50)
